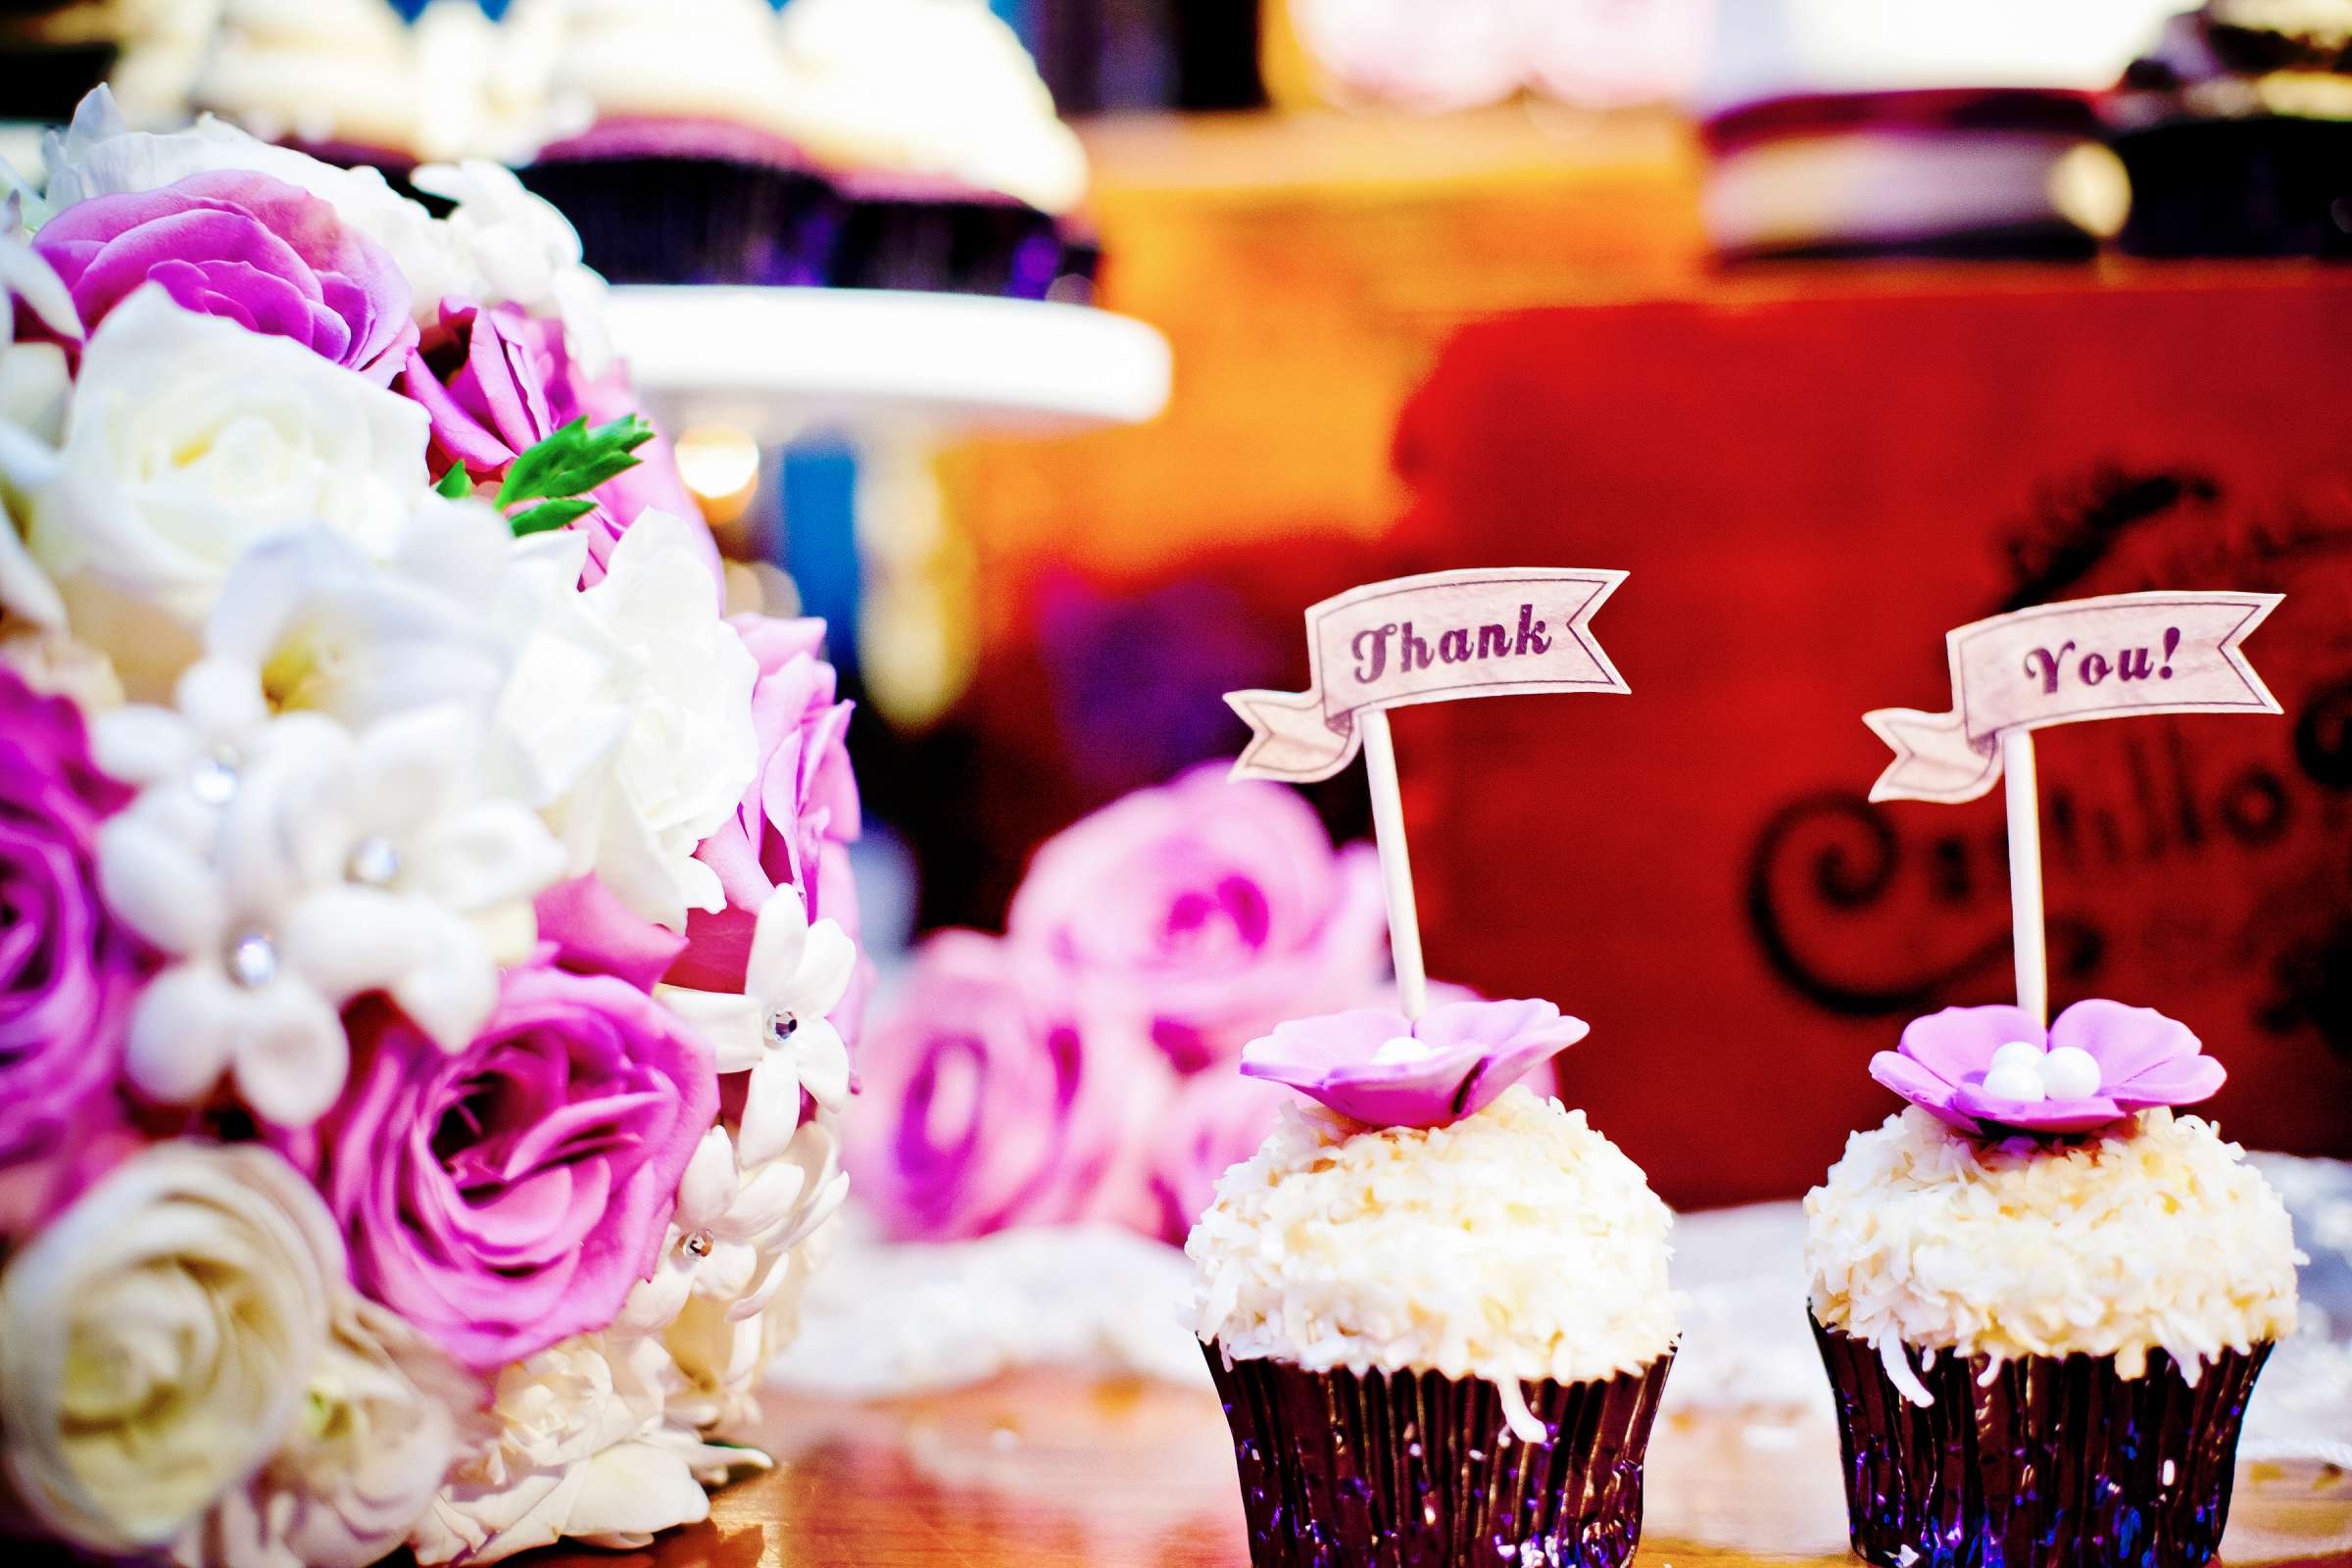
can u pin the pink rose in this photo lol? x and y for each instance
(506, 1197)
(238, 244)
(794, 823)
(499, 381)
(68, 968)
(1222, 906)
(988, 1102)
(1216, 1121)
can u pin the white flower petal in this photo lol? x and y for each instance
(453, 992)
(183, 1033)
(158, 884)
(292, 1058)
(771, 1111)
(779, 939)
(143, 744)
(708, 1185)
(730, 1024)
(826, 965)
(484, 853)
(823, 1061)
(347, 940)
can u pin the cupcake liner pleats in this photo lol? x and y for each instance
(1414, 1470)
(2053, 1462)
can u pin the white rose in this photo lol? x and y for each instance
(189, 439)
(382, 1419)
(632, 703)
(583, 1451)
(154, 1340)
(98, 155)
(34, 387)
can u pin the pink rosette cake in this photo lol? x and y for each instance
(429, 952)
(2042, 1297)
(1435, 1305)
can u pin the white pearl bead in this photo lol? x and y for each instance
(2070, 1073)
(1404, 1049)
(2016, 1054)
(2013, 1081)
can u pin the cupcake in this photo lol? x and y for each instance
(1435, 1305)
(2237, 132)
(2042, 1297)
(345, 80)
(931, 121)
(669, 143)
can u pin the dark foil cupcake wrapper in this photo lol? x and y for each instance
(682, 220)
(2057, 1462)
(1414, 1470)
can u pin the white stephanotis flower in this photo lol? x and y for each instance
(781, 1028)
(740, 1236)
(632, 706)
(293, 868)
(190, 439)
(583, 1450)
(99, 155)
(385, 1414)
(527, 251)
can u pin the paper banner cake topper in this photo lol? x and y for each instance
(2064, 663)
(1503, 631)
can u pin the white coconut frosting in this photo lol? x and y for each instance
(683, 58)
(2155, 1235)
(329, 71)
(935, 88)
(1516, 1245)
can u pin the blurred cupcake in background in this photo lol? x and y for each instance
(2043, 1297)
(2236, 130)
(1435, 1307)
(670, 142)
(931, 121)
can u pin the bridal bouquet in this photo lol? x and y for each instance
(428, 942)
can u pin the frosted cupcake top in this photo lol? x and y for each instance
(934, 89)
(2152, 1234)
(1515, 1243)
(325, 71)
(684, 59)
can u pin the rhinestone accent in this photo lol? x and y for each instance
(253, 960)
(698, 1244)
(374, 861)
(213, 781)
(781, 1026)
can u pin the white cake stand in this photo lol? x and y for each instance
(781, 363)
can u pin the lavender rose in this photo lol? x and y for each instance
(794, 823)
(508, 1196)
(241, 245)
(497, 380)
(1223, 905)
(1216, 1121)
(988, 1101)
(68, 969)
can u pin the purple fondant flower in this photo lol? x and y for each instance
(990, 1100)
(1376, 1067)
(506, 1197)
(1980, 1069)
(68, 968)
(242, 245)
(1222, 906)
(794, 823)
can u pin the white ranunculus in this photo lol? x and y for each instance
(61, 666)
(98, 155)
(190, 439)
(527, 251)
(155, 1338)
(385, 1417)
(583, 1451)
(631, 703)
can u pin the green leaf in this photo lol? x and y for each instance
(456, 484)
(549, 514)
(574, 459)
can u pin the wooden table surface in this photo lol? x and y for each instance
(1054, 1471)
